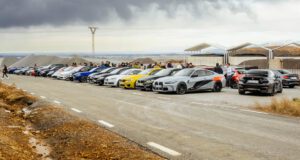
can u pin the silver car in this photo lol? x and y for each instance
(190, 79)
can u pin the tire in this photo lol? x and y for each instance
(291, 86)
(242, 92)
(234, 85)
(181, 88)
(280, 89)
(273, 91)
(118, 83)
(217, 87)
(83, 79)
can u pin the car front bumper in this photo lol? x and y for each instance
(164, 88)
(144, 86)
(127, 84)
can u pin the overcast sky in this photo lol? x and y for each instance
(143, 25)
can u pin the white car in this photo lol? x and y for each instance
(114, 80)
(58, 72)
(66, 75)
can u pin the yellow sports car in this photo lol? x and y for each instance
(129, 81)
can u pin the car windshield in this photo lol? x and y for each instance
(68, 69)
(258, 73)
(105, 70)
(93, 69)
(145, 71)
(116, 71)
(185, 72)
(126, 72)
(163, 72)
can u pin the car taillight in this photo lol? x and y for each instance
(285, 77)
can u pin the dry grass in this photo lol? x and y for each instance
(283, 106)
(67, 136)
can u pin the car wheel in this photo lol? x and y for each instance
(217, 87)
(242, 92)
(83, 79)
(234, 85)
(280, 89)
(291, 86)
(273, 91)
(181, 88)
(118, 83)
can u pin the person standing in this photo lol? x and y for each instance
(218, 69)
(229, 74)
(35, 70)
(4, 71)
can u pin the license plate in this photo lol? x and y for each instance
(293, 77)
(139, 84)
(252, 81)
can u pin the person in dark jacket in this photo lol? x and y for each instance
(4, 71)
(218, 69)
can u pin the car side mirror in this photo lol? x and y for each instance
(194, 75)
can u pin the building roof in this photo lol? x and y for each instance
(198, 47)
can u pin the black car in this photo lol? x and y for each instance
(100, 79)
(262, 81)
(92, 78)
(289, 79)
(146, 82)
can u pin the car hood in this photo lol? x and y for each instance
(173, 78)
(102, 75)
(153, 77)
(136, 77)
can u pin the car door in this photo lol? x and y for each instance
(197, 80)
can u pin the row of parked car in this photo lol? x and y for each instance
(175, 80)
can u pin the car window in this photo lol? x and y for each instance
(174, 72)
(152, 73)
(208, 73)
(258, 73)
(135, 72)
(145, 71)
(185, 72)
(200, 73)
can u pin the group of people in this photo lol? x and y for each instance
(229, 72)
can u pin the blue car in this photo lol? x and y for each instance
(82, 76)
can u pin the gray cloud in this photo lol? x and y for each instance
(24, 13)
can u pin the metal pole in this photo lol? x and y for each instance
(93, 30)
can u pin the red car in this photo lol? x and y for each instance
(238, 74)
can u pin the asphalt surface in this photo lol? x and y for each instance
(193, 126)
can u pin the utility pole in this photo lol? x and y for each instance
(93, 30)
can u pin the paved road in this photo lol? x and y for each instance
(192, 126)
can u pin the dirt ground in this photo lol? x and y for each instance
(34, 129)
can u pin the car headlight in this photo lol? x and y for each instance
(112, 79)
(170, 82)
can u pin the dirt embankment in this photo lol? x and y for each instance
(33, 129)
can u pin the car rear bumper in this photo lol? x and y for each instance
(262, 88)
(290, 82)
